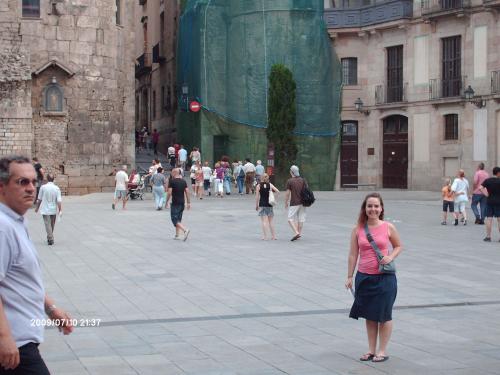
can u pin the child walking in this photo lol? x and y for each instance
(448, 200)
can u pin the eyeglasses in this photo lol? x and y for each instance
(23, 181)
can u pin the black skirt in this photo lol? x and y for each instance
(374, 297)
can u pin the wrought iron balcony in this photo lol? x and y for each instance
(495, 82)
(367, 12)
(438, 8)
(446, 88)
(389, 95)
(143, 65)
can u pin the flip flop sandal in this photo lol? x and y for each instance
(380, 358)
(367, 357)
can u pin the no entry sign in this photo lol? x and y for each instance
(194, 106)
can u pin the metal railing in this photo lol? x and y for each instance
(495, 82)
(387, 95)
(433, 6)
(448, 88)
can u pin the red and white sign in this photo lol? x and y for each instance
(194, 106)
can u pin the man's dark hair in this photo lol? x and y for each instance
(50, 177)
(481, 166)
(5, 166)
(247, 160)
(35, 159)
(496, 170)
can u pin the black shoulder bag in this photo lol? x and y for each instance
(306, 195)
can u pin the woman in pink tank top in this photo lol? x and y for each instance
(375, 292)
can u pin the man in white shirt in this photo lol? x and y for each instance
(249, 176)
(182, 158)
(49, 204)
(121, 180)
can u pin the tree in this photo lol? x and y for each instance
(282, 118)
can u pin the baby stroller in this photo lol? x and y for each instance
(137, 192)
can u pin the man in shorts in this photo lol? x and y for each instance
(121, 180)
(179, 193)
(293, 201)
(491, 188)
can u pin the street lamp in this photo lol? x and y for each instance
(358, 104)
(469, 96)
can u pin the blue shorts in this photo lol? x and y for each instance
(176, 213)
(120, 194)
(493, 210)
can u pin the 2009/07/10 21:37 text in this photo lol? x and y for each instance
(65, 322)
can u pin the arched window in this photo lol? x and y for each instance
(53, 97)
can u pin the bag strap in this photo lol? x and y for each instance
(372, 242)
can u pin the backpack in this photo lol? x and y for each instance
(242, 172)
(306, 195)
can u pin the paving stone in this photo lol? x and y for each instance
(218, 304)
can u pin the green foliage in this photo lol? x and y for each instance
(282, 118)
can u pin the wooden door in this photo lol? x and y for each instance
(349, 153)
(395, 153)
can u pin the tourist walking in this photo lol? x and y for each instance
(293, 201)
(375, 291)
(259, 171)
(182, 159)
(491, 188)
(448, 200)
(40, 175)
(49, 203)
(195, 156)
(263, 204)
(199, 179)
(159, 181)
(155, 138)
(460, 188)
(239, 176)
(178, 192)
(23, 297)
(171, 156)
(249, 169)
(228, 175)
(219, 180)
(207, 176)
(121, 182)
(478, 198)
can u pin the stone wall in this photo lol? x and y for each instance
(15, 86)
(78, 45)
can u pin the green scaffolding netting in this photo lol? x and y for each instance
(227, 48)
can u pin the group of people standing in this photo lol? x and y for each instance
(485, 198)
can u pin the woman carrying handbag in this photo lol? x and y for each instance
(375, 284)
(265, 200)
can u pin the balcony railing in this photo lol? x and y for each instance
(495, 82)
(430, 7)
(364, 13)
(388, 95)
(446, 88)
(143, 65)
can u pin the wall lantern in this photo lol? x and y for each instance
(358, 104)
(469, 96)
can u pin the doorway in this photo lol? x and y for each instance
(349, 153)
(220, 146)
(395, 154)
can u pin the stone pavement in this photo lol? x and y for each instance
(225, 302)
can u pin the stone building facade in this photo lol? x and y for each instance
(412, 64)
(72, 102)
(156, 25)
